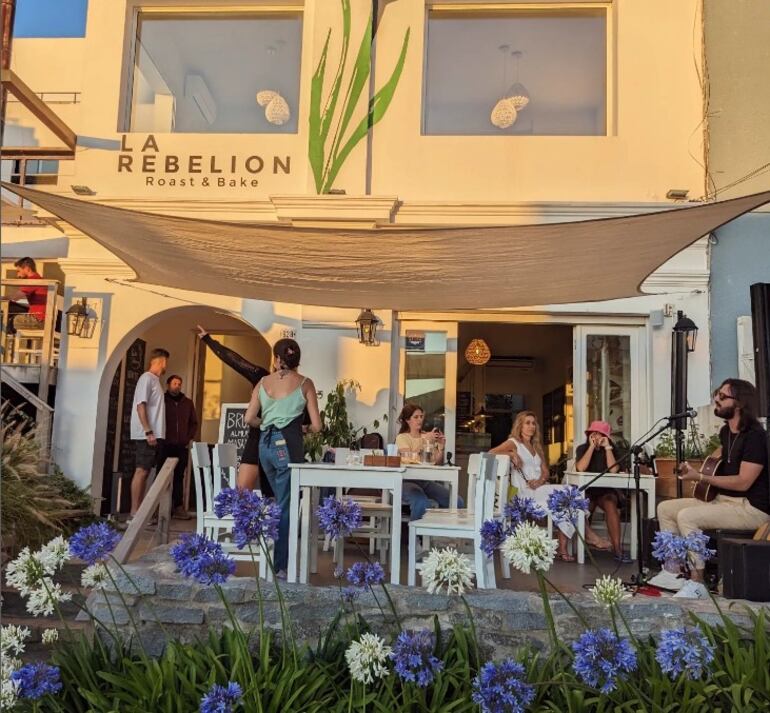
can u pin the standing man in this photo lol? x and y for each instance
(742, 481)
(181, 427)
(148, 423)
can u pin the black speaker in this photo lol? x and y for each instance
(745, 568)
(760, 321)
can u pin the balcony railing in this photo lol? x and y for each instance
(27, 341)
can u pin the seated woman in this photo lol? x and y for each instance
(528, 461)
(421, 494)
(597, 455)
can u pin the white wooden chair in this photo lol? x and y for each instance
(462, 524)
(210, 476)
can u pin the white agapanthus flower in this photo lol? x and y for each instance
(367, 658)
(12, 639)
(50, 635)
(94, 576)
(608, 591)
(54, 554)
(25, 572)
(42, 601)
(8, 689)
(530, 547)
(447, 568)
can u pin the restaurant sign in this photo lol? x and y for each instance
(159, 168)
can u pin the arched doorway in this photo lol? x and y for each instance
(205, 380)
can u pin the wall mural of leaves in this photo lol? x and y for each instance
(327, 153)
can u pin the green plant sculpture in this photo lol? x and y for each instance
(327, 156)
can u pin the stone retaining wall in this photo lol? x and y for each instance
(164, 604)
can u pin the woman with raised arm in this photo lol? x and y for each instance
(282, 398)
(248, 470)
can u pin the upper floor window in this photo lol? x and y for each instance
(35, 172)
(229, 73)
(50, 18)
(537, 72)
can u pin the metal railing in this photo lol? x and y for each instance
(53, 98)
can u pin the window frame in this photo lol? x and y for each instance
(274, 9)
(480, 7)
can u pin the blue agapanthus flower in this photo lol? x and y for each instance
(202, 559)
(602, 658)
(413, 657)
(685, 650)
(226, 501)
(676, 549)
(350, 594)
(696, 544)
(221, 699)
(502, 688)
(493, 534)
(94, 543)
(256, 518)
(518, 510)
(339, 518)
(566, 504)
(363, 574)
(36, 680)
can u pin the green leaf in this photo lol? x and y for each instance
(317, 139)
(378, 105)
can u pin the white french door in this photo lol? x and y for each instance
(610, 380)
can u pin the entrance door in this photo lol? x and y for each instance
(610, 380)
(428, 374)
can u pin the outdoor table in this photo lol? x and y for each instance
(619, 481)
(306, 476)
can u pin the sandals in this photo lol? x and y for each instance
(565, 557)
(600, 544)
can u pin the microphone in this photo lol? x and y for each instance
(688, 413)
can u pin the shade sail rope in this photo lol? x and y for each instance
(431, 268)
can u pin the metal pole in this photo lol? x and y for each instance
(679, 394)
(6, 19)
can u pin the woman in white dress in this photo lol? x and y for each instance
(529, 467)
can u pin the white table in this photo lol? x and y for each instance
(305, 476)
(620, 481)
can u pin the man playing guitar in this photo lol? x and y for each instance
(742, 483)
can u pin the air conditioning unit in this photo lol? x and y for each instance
(512, 362)
(195, 88)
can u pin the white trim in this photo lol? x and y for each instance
(100, 266)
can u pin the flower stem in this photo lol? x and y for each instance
(575, 610)
(473, 631)
(128, 611)
(541, 581)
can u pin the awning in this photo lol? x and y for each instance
(397, 268)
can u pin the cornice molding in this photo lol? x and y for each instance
(100, 266)
(302, 209)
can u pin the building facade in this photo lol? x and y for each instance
(203, 110)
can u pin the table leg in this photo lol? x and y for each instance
(291, 575)
(395, 536)
(453, 488)
(313, 541)
(581, 548)
(305, 535)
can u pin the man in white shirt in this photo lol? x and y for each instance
(148, 423)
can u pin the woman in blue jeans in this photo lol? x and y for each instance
(421, 494)
(282, 397)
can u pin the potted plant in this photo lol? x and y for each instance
(696, 447)
(337, 430)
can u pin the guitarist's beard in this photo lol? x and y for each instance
(725, 412)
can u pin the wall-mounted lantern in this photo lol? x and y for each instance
(81, 320)
(367, 323)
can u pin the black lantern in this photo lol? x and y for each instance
(688, 327)
(81, 320)
(366, 324)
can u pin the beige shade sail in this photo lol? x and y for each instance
(432, 268)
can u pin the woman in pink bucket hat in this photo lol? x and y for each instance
(598, 455)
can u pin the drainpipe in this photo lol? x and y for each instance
(8, 12)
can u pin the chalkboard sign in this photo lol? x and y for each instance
(232, 426)
(134, 369)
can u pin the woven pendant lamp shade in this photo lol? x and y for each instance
(477, 352)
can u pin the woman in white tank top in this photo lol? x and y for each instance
(529, 469)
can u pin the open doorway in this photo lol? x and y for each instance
(530, 368)
(205, 379)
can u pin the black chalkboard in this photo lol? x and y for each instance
(134, 369)
(232, 427)
(110, 441)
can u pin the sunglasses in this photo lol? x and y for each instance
(721, 396)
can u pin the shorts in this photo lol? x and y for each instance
(250, 454)
(594, 494)
(147, 456)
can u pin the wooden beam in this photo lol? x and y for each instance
(38, 152)
(160, 487)
(38, 107)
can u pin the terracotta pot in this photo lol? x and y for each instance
(665, 486)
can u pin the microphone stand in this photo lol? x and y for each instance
(634, 452)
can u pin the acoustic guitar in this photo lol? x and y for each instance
(702, 490)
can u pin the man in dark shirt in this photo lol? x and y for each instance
(742, 480)
(181, 427)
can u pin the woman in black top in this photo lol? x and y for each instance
(248, 470)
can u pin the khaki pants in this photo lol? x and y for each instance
(684, 515)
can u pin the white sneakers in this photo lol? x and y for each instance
(668, 580)
(692, 590)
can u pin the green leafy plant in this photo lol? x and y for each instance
(337, 430)
(328, 155)
(696, 444)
